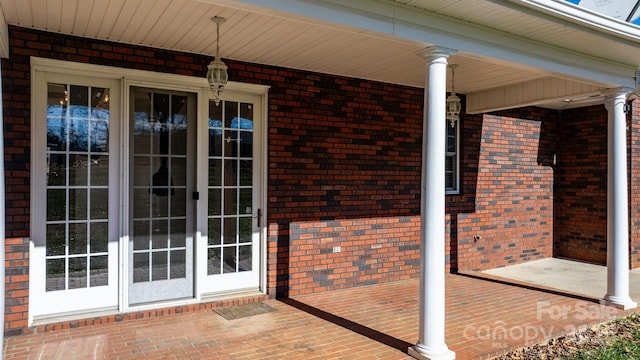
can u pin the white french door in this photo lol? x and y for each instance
(230, 249)
(75, 191)
(164, 206)
(162, 211)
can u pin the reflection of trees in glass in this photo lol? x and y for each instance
(90, 126)
(77, 126)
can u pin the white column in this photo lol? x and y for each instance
(617, 204)
(431, 343)
(2, 219)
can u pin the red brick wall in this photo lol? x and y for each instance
(344, 170)
(507, 197)
(581, 177)
(634, 184)
(344, 160)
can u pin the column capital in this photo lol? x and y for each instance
(616, 95)
(433, 52)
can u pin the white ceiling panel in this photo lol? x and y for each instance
(254, 33)
(126, 22)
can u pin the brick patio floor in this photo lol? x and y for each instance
(484, 318)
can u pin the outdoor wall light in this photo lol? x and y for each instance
(217, 71)
(453, 101)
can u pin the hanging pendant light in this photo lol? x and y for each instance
(454, 106)
(217, 71)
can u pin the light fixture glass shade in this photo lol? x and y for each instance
(217, 77)
(454, 106)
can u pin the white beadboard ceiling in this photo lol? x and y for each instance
(267, 35)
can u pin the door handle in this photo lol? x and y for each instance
(259, 215)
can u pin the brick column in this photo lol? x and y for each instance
(617, 204)
(431, 344)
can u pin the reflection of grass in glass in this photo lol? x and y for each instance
(245, 229)
(55, 274)
(56, 239)
(56, 204)
(99, 237)
(77, 204)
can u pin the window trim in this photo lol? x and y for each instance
(455, 190)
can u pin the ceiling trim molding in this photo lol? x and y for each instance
(427, 28)
(133, 76)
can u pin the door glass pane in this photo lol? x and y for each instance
(99, 136)
(215, 142)
(78, 204)
(78, 169)
(230, 232)
(178, 267)
(99, 270)
(99, 236)
(230, 201)
(215, 172)
(178, 233)
(246, 172)
(140, 267)
(99, 175)
(56, 204)
(229, 259)
(141, 234)
(57, 170)
(244, 235)
(246, 200)
(215, 232)
(244, 258)
(77, 272)
(99, 202)
(179, 203)
(56, 271)
(230, 145)
(159, 266)
(78, 134)
(230, 114)
(215, 202)
(179, 120)
(78, 120)
(160, 236)
(246, 144)
(230, 223)
(56, 239)
(78, 238)
(159, 166)
(214, 261)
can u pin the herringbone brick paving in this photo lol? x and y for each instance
(484, 318)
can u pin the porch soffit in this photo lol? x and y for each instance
(501, 45)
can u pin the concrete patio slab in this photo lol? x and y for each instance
(569, 276)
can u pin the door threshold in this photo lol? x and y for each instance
(226, 295)
(73, 316)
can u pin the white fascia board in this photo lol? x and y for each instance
(499, 45)
(4, 36)
(581, 17)
(411, 24)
